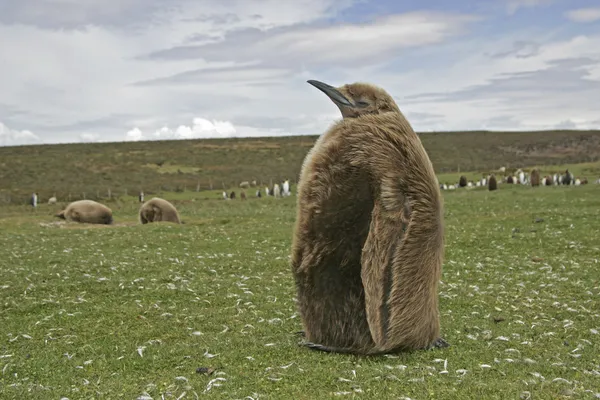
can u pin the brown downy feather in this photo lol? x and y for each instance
(158, 210)
(492, 183)
(87, 212)
(368, 240)
(535, 177)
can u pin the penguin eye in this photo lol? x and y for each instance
(361, 103)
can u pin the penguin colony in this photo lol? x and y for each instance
(368, 203)
(519, 177)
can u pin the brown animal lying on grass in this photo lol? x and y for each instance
(87, 211)
(158, 210)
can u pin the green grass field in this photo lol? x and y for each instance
(90, 170)
(131, 311)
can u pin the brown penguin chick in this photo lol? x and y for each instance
(535, 177)
(368, 240)
(492, 183)
(87, 212)
(158, 210)
(462, 182)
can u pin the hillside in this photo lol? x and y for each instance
(93, 168)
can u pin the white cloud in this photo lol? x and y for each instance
(558, 82)
(199, 129)
(67, 77)
(134, 135)
(134, 15)
(202, 128)
(333, 44)
(146, 69)
(585, 15)
(259, 78)
(89, 137)
(13, 137)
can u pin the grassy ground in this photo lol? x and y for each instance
(91, 169)
(132, 311)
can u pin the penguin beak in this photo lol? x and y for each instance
(339, 99)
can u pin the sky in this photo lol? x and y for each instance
(129, 70)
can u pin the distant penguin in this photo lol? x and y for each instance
(34, 200)
(492, 184)
(569, 179)
(286, 187)
(535, 177)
